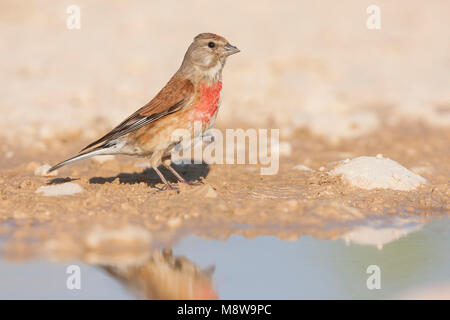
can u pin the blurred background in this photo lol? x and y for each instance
(299, 62)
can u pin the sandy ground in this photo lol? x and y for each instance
(335, 89)
(231, 199)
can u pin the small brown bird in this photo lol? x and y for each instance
(192, 94)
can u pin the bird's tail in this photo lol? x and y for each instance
(103, 149)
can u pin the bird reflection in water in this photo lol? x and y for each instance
(165, 276)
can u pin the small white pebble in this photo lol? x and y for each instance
(63, 189)
(43, 171)
(302, 167)
(322, 169)
(379, 156)
(347, 160)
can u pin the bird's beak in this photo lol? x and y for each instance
(229, 50)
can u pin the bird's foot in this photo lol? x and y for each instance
(193, 183)
(168, 186)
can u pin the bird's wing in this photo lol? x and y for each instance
(175, 95)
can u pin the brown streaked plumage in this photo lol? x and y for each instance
(192, 94)
(169, 100)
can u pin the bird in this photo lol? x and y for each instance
(193, 94)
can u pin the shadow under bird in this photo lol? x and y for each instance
(191, 95)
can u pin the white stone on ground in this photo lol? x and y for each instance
(377, 172)
(302, 167)
(63, 189)
(43, 171)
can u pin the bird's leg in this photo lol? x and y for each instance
(179, 177)
(167, 164)
(176, 174)
(155, 161)
(163, 179)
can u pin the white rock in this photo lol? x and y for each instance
(372, 172)
(302, 167)
(63, 189)
(43, 171)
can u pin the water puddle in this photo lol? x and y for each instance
(404, 257)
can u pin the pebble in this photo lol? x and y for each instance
(63, 189)
(43, 171)
(375, 172)
(302, 167)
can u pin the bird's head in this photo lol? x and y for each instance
(208, 53)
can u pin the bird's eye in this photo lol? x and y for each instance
(211, 44)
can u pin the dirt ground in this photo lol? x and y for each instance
(230, 199)
(336, 91)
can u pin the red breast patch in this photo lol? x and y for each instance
(209, 102)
